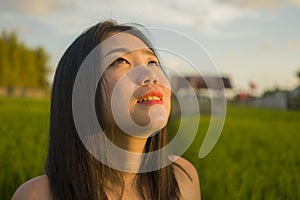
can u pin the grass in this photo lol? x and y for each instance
(256, 156)
(23, 143)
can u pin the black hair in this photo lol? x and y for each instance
(72, 171)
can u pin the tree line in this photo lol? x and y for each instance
(21, 66)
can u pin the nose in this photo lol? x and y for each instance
(147, 76)
(144, 75)
(151, 79)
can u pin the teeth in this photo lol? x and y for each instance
(156, 98)
(149, 98)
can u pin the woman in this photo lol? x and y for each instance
(72, 170)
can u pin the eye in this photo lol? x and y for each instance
(119, 61)
(153, 63)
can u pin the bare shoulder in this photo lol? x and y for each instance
(36, 188)
(187, 178)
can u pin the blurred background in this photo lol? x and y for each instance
(255, 44)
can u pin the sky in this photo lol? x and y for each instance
(248, 40)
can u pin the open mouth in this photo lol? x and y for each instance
(153, 97)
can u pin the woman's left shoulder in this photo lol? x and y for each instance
(187, 178)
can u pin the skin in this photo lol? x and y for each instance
(119, 65)
(129, 64)
(38, 188)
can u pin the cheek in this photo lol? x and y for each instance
(118, 80)
(167, 101)
(109, 83)
(119, 92)
(167, 95)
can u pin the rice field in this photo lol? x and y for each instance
(256, 157)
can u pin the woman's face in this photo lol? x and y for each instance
(138, 93)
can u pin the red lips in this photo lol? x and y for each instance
(151, 98)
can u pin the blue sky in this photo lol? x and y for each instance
(253, 40)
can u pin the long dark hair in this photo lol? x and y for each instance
(72, 171)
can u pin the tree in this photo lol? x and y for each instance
(298, 74)
(4, 60)
(21, 66)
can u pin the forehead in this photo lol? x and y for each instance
(122, 40)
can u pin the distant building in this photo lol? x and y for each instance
(201, 82)
(275, 99)
(198, 90)
(278, 99)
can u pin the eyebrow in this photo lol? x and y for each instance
(124, 50)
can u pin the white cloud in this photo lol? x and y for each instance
(257, 4)
(267, 45)
(293, 45)
(33, 7)
(296, 2)
(206, 16)
(67, 16)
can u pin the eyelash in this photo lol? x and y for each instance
(120, 61)
(124, 61)
(153, 62)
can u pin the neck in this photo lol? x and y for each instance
(128, 142)
(132, 147)
(131, 143)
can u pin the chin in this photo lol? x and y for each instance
(153, 123)
(152, 128)
(157, 125)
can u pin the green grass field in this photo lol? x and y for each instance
(256, 157)
(23, 143)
